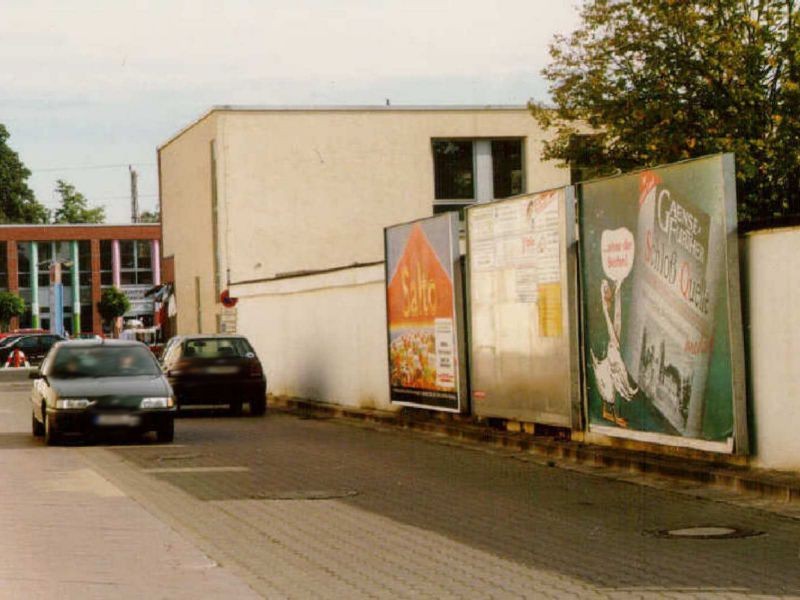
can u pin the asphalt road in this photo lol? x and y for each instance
(307, 508)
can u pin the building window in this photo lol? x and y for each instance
(106, 263)
(480, 170)
(453, 169)
(23, 264)
(135, 262)
(4, 265)
(85, 262)
(507, 168)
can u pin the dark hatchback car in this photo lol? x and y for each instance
(215, 369)
(92, 385)
(34, 346)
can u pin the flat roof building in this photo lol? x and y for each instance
(91, 257)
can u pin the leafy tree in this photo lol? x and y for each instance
(113, 304)
(17, 202)
(149, 217)
(11, 305)
(75, 207)
(656, 81)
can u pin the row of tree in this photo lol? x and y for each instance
(18, 203)
(112, 305)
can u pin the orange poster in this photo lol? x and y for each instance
(421, 313)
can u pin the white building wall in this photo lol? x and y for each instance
(313, 189)
(771, 270)
(322, 336)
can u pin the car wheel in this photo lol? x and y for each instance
(166, 433)
(235, 408)
(258, 406)
(36, 428)
(51, 437)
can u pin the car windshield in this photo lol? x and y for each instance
(217, 348)
(103, 361)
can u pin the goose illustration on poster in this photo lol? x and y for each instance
(662, 320)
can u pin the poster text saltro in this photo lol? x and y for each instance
(424, 359)
(656, 305)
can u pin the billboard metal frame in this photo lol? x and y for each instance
(738, 443)
(572, 416)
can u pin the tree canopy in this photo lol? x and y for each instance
(657, 81)
(113, 304)
(17, 202)
(149, 217)
(11, 305)
(74, 206)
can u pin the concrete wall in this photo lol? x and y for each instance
(185, 190)
(771, 272)
(322, 336)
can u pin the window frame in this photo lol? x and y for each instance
(441, 205)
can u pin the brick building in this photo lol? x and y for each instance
(91, 257)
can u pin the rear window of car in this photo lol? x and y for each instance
(9, 340)
(103, 361)
(217, 348)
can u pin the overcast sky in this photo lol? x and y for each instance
(88, 87)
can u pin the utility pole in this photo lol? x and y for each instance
(134, 195)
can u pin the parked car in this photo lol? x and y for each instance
(35, 346)
(18, 332)
(89, 385)
(215, 369)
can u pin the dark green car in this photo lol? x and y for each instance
(85, 386)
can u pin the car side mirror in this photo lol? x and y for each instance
(34, 374)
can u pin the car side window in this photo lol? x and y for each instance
(45, 368)
(27, 344)
(171, 354)
(48, 341)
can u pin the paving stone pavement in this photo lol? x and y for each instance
(394, 514)
(66, 532)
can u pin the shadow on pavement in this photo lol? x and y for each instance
(19, 441)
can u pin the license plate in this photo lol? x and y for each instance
(221, 370)
(117, 420)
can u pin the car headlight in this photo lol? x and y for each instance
(159, 402)
(67, 403)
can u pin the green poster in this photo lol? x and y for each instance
(662, 323)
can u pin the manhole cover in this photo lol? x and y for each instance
(706, 532)
(304, 495)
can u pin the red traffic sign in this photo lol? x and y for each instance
(227, 301)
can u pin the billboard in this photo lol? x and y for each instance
(522, 309)
(424, 317)
(662, 321)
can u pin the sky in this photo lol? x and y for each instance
(88, 88)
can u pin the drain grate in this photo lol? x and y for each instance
(706, 532)
(304, 495)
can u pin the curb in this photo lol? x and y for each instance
(773, 485)
(14, 374)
